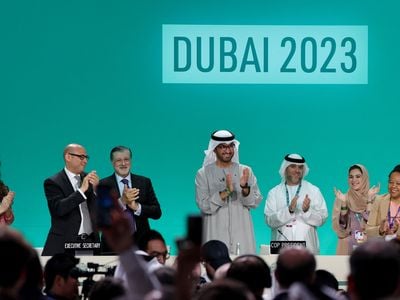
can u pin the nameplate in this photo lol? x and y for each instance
(276, 246)
(81, 246)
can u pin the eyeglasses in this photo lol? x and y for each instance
(164, 255)
(122, 160)
(225, 146)
(81, 156)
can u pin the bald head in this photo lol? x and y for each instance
(75, 158)
(72, 148)
(295, 264)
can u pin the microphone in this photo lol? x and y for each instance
(281, 233)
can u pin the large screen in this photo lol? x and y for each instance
(319, 78)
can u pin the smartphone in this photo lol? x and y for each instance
(194, 234)
(106, 202)
(195, 229)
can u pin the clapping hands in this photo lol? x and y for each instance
(90, 179)
(306, 204)
(373, 191)
(129, 197)
(7, 202)
(339, 195)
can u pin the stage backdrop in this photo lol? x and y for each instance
(105, 73)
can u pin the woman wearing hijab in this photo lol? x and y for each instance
(351, 210)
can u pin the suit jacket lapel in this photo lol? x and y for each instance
(132, 181)
(66, 184)
(385, 208)
(115, 184)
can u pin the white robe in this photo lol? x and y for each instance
(228, 221)
(299, 226)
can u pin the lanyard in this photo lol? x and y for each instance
(390, 218)
(359, 217)
(297, 193)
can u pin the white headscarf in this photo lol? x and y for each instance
(220, 137)
(293, 159)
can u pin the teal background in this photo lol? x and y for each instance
(90, 72)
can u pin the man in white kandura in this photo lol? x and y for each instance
(225, 193)
(295, 208)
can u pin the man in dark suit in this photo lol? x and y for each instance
(136, 194)
(71, 201)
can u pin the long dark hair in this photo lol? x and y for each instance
(3, 190)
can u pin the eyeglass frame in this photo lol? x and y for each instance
(81, 156)
(226, 146)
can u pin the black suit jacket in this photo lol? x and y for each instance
(63, 203)
(147, 199)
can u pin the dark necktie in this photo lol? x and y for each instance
(130, 213)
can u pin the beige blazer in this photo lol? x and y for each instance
(378, 214)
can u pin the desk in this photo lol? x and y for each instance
(336, 264)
